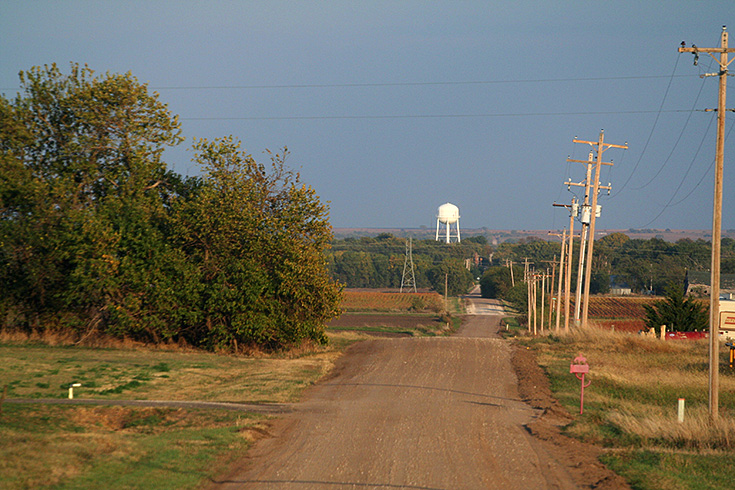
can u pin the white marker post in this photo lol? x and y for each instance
(71, 389)
(680, 411)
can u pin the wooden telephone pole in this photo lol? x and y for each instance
(587, 184)
(570, 249)
(601, 148)
(714, 304)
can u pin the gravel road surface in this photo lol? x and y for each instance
(409, 413)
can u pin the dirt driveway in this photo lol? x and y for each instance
(415, 413)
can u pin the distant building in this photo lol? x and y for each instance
(619, 287)
(698, 284)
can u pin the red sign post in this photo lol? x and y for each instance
(580, 367)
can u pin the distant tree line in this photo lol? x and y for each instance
(378, 262)
(646, 266)
(97, 236)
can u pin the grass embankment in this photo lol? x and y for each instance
(114, 447)
(631, 406)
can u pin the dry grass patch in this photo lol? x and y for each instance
(41, 371)
(631, 406)
(80, 447)
(697, 432)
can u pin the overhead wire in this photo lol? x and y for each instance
(425, 116)
(673, 195)
(391, 84)
(653, 128)
(711, 165)
(676, 143)
(681, 183)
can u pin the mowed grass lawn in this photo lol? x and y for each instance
(118, 447)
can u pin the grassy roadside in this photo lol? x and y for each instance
(631, 406)
(114, 447)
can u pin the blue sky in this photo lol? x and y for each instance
(392, 108)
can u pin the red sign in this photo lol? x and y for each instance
(727, 320)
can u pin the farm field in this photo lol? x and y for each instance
(393, 314)
(619, 313)
(384, 301)
(611, 307)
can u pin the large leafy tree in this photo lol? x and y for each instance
(452, 275)
(257, 236)
(82, 187)
(96, 235)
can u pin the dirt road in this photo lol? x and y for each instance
(413, 413)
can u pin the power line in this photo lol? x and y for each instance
(650, 135)
(678, 140)
(671, 203)
(414, 84)
(397, 84)
(428, 116)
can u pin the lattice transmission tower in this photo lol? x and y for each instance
(409, 278)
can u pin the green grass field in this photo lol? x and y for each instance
(117, 447)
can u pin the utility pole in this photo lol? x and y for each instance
(543, 296)
(568, 282)
(563, 236)
(551, 289)
(561, 276)
(573, 208)
(714, 304)
(585, 220)
(549, 286)
(509, 263)
(587, 183)
(527, 278)
(601, 148)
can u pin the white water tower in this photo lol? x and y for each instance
(448, 215)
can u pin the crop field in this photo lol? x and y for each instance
(390, 313)
(360, 301)
(620, 313)
(619, 306)
(621, 324)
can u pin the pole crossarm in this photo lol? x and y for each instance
(557, 205)
(583, 184)
(587, 161)
(601, 148)
(723, 63)
(575, 235)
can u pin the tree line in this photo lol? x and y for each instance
(649, 266)
(98, 236)
(379, 262)
(645, 265)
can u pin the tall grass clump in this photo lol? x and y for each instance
(697, 432)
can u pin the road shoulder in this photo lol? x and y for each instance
(581, 459)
